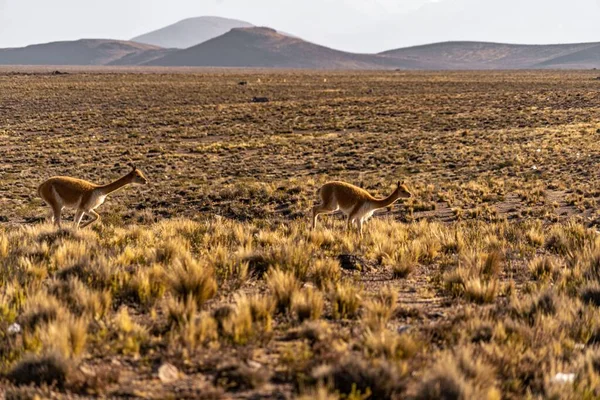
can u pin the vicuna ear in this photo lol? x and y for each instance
(133, 167)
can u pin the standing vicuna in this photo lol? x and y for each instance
(356, 203)
(63, 191)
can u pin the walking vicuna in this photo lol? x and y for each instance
(356, 203)
(62, 192)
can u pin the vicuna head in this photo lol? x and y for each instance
(402, 191)
(137, 176)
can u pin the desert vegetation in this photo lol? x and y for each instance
(210, 283)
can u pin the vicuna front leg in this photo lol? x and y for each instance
(95, 217)
(78, 217)
(56, 214)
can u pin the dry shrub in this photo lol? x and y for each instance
(324, 272)
(590, 294)
(240, 377)
(283, 285)
(540, 304)
(307, 304)
(147, 286)
(480, 291)
(179, 312)
(192, 279)
(345, 300)
(130, 336)
(201, 330)
(319, 393)
(66, 336)
(292, 257)
(544, 268)
(376, 379)
(403, 262)
(41, 309)
(228, 266)
(248, 319)
(82, 300)
(389, 345)
(459, 377)
(48, 369)
(378, 310)
(476, 279)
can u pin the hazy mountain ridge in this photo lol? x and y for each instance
(261, 47)
(483, 55)
(78, 52)
(266, 48)
(190, 32)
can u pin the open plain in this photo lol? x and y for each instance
(208, 282)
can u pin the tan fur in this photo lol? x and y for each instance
(356, 203)
(62, 192)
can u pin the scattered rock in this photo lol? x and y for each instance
(3, 218)
(168, 373)
(353, 262)
(254, 365)
(260, 99)
(13, 329)
(242, 83)
(563, 378)
(404, 328)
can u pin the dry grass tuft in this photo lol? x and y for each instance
(283, 285)
(192, 279)
(307, 304)
(346, 300)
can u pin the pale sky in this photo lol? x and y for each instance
(352, 25)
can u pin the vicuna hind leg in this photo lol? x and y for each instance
(95, 217)
(318, 210)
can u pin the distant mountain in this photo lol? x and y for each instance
(79, 52)
(190, 32)
(266, 48)
(481, 55)
(140, 58)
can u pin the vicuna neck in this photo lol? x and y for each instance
(388, 201)
(116, 185)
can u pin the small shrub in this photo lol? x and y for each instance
(345, 300)
(240, 377)
(377, 379)
(324, 272)
(130, 335)
(307, 304)
(192, 279)
(479, 291)
(82, 300)
(544, 268)
(378, 310)
(389, 345)
(283, 285)
(49, 369)
(403, 262)
(445, 384)
(40, 310)
(66, 336)
(591, 294)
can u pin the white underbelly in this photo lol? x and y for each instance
(98, 202)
